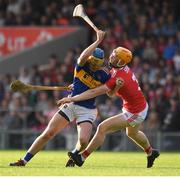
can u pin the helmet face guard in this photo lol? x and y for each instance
(97, 57)
(96, 61)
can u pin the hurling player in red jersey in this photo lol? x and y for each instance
(134, 110)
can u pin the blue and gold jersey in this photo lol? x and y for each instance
(85, 79)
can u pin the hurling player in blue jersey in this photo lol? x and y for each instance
(88, 74)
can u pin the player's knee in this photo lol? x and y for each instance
(101, 128)
(130, 134)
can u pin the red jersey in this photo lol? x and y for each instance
(131, 94)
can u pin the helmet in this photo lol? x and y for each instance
(123, 54)
(97, 57)
(98, 53)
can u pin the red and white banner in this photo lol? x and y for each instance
(16, 39)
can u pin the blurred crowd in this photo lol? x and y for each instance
(149, 28)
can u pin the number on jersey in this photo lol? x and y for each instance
(135, 79)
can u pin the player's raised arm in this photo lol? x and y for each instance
(89, 50)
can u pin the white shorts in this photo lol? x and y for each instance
(135, 118)
(81, 114)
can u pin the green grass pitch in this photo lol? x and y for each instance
(52, 163)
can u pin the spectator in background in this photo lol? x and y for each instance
(3, 114)
(176, 61)
(14, 6)
(1, 19)
(13, 121)
(42, 101)
(169, 51)
(171, 121)
(170, 28)
(161, 44)
(50, 70)
(108, 109)
(2, 91)
(153, 122)
(62, 19)
(52, 109)
(24, 75)
(149, 53)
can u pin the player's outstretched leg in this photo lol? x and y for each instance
(55, 125)
(150, 159)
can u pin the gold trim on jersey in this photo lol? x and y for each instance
(86, 79)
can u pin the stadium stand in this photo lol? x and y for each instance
(150, 29)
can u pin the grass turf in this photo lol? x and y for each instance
(52, 163)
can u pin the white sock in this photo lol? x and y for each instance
(83, 159)
(25, 161)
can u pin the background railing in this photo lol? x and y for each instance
(22, 139)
